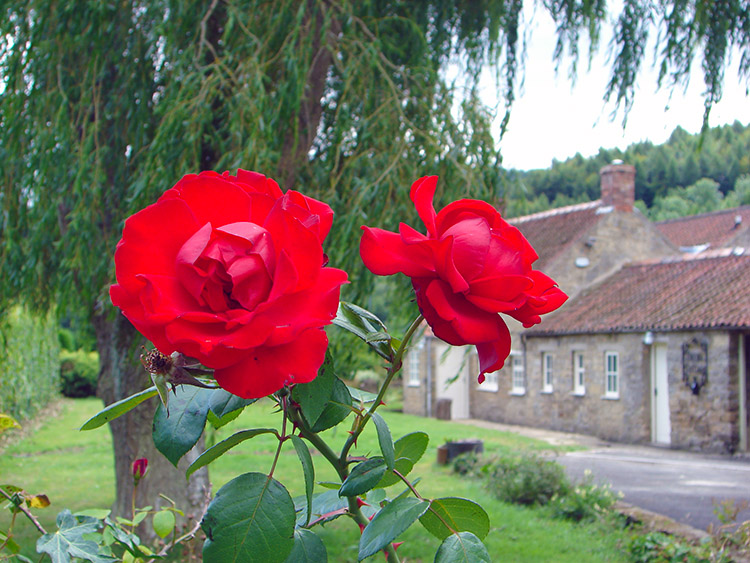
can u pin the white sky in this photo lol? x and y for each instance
(553, 119)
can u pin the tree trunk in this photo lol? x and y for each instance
(120, 376)
(300, 136)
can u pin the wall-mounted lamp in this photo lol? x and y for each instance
(648, 338)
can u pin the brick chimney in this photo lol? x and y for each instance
(617, 181)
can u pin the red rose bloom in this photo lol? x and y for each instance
(469, 267)
(230, 270)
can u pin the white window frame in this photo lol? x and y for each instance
(491, 382)
(548, 372)
(414, 365)
(518, 374)
(611, 375)
(579, 373)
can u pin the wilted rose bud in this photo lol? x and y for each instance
(140, 467)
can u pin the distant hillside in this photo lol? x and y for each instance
(686, 175)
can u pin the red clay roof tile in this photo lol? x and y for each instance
(717, 228)
(697, 293)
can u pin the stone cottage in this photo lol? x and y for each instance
(651, 347)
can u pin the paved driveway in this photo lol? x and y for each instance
(681, 485)
(684, 486)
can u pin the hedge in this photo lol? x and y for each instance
(29, 362)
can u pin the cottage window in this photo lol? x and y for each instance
(612, 375)
(518, 381)
(579, 386)
(547, 372)
(490, 379)
(414, 364)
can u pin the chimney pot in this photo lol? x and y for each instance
(617, 183)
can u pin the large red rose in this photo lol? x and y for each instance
(230, 270)
(469, 267)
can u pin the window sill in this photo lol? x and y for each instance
(413, 385)
(579, 393)
(546, 392)
(487, 389)
(518, 392)
(611, 397)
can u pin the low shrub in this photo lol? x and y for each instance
(526, 479)
(79, 371)
(469, 463)
(658, 547)
(584, 501)
(67, 339)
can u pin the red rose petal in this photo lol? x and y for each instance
(214, 199)
(384, 253)
(471, 323)
(492, 354)
(268, 369)
(422, 194)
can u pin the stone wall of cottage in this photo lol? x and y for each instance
(624, 419)
(706, 422)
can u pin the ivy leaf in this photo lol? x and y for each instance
(314, 396)
(308, 548)
(307, 469)
(250, 519)
(447, 516)
(389, 523)
(464, 547)
(177, 431)
(68, 542)
(364, 476)
(385, 440)
(227, 444)
(119, 408)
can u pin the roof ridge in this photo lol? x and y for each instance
(706, 214)
(555, 211)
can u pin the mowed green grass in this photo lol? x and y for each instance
(75, 470)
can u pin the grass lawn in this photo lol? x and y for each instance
(75, 470)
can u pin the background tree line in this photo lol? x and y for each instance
(686, 175)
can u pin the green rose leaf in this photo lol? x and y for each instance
(385, 440)
(314, 396)
(250, 519)
(308, 548)
(326, 506)
(366, 325)
(163, 523)
(176, 432)
(337, 408)
(389, 523)
(360, 396)
(464, 547)
(67, 542)
(119, 408)
(408, 450)
(308, 470)
(412, 446)
(403, 466)
(447, 516)
(219, 449)
(223, 407)
(363, 477)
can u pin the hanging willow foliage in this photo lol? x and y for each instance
(104, 105)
